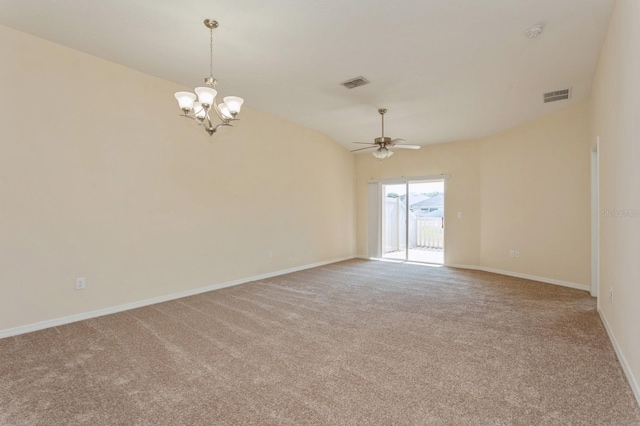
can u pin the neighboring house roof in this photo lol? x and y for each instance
(436, 201)
(415, 198)
(435, 213)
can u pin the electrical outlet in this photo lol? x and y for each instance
(269, 254)
(610, 294)
(517, 253)
(512, 253)
(81, 283)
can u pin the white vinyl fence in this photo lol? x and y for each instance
(430, 232)
(424, 232)
(394, 225)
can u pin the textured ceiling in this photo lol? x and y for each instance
(446, 70)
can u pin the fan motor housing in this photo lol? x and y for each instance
(382, 141)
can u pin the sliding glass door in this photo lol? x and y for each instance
(412, 220)
(426, 221)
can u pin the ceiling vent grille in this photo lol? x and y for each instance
(558, 95)
(355, 82)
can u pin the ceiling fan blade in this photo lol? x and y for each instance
(407, 146)
(360, 149)
(393, 142)
(365, 143)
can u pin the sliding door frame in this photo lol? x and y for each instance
(376, 210)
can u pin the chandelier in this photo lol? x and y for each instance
(200, 110)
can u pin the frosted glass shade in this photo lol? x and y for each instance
(206, 95)
(225, 111)
(233, 103)
(199, 111)
(185, 100)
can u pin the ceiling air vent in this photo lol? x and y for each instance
(558, 95)
(355, 82)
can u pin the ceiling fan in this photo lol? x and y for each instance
(383, 143)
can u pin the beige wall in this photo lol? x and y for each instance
(525, 189)
(100, 178)
(614, 118)
(535, 197)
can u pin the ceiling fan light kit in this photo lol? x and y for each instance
(199, 106)
(383, 143)
(382, 153)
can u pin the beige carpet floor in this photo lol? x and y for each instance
(353, 343)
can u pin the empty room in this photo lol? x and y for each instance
(327, 213)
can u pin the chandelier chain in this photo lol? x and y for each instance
(211, 52)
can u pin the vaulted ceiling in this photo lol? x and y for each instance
(446, 70)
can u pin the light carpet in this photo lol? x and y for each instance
(352, 343)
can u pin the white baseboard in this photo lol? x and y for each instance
(525, 276)
(501, 272)
(115, 309)
(623, 361)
